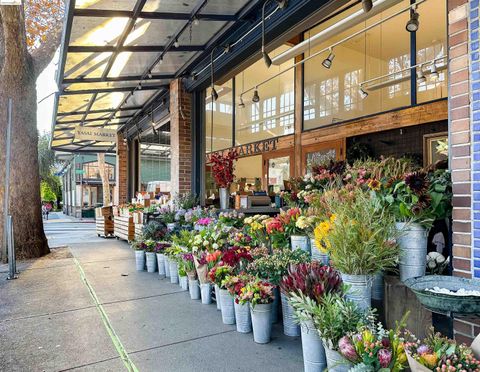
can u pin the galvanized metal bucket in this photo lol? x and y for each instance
(243, 318)
(140, 260)
(161, 264)
(228, 311)
(183, 280)
(299, 242)
(173, 271)
(167, 267)
(335, 361)
(206, 293)
(312, 347)
(151, 260)
(275, 305)
(194, 289)
(217, 297)
(261, 323)
(413, 250)
(317, 255)
(378, 287)
(290, 328)
(360, 291)
(224, 198)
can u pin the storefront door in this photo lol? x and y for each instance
(277, 168)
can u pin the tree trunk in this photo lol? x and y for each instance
(104, 176)
(17, 80)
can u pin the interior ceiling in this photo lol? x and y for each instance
(119, 55)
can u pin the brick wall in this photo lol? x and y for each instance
(121, 188)
(464, 140)
(180, 138)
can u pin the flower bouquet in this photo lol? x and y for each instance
(232, 219)
(374, 349)
(218, 273)
(188, 264)
(223, 167)
(237, 257)
(437, 353)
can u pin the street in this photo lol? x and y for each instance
(85, 308)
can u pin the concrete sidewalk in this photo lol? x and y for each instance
(49, 320)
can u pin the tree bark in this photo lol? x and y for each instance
(17, 80)
(104, 176)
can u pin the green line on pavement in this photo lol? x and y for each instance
(111, 332)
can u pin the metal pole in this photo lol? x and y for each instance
(7, 179)
(12, 263)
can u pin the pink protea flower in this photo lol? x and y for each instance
(384, 357)
(347, 349)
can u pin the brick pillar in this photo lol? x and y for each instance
(463, 135)
(180, 138)
(121, 188)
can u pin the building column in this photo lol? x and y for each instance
(464, 131)
(120, 196)
(180, 138)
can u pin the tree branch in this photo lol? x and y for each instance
(43, 55)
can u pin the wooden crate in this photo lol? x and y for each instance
(104, 222)
(138, 230)
(124, 228)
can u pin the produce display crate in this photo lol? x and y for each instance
(104, 222)
(138, 230)
(124, 228)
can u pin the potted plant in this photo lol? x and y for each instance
(160, 252)
(150, 255)
(417, 199)
(334, 316)
(361, 243)
(374, 348)
(167, 216)
(234, 285)
(189, 265)
(260, 295)
(217, 275)
(311, 280)
(223, 168)
(139, 246)
(273, 267)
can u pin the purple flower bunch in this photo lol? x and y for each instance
(161, 246)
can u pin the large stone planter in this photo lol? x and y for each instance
(261, 323)
(140, 260)
(360, 291)
(413, 250)
(228, 311)
(312, 348)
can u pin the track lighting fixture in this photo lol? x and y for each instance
(367, 5)
(412, 24)
(420, 76)
(150, 74)
(193, 77)
(241, 104)
(176, 44)
(363, 93)
(256, 97)
(266, 57)
(139, 86)
(214, 93)
(433, 71)
(327, 62)
(281, 3)
(196, 21)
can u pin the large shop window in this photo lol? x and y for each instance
(219, 135)
(273, 115)
(333, 95)
(155, 160)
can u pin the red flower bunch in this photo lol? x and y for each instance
(223, 167)
(274, 224)
(213, 258)
(236, 257)
(312, 279)
(235, 283)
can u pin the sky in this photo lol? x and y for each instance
(46, 85)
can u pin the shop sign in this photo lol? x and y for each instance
(94, 134)
(255, 148)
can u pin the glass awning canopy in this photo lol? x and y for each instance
(117, 56)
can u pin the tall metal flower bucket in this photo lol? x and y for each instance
(299, 242)
(290, 328)
(183, 280)
(413, 250)
(378, 287)
(217, 297)
(360, 291)
(335, 361)
(194, 289)
(173, 271)
(312, 347)
(151, 260)
(243, 318)
(140, 260)
(167, 267)
(206, 293)
(228, 311)
(161, 264)
(317, 255)
(261, 323)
